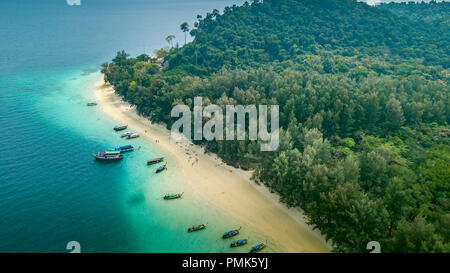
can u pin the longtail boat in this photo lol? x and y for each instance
(126, 134)
(132, 136)
(91, 104)
(161, 168)
(123, 149)
(155, 160)
(198, 227)
(231, 233)
(239, 242)
(120, 128)
(108, 155)
(170, 196)
(257, 248)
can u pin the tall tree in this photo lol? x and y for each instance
(185, 28)
(169, 40)
(394, 114)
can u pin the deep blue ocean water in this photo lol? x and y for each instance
(51, 189)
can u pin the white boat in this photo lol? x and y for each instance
(132, 136)
(126, 134)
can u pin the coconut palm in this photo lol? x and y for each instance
(169, 40)
(185, 28)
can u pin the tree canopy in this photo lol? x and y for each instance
(364, 109)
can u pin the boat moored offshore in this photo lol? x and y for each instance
(257, 248)
(170, 196)
(123, 149)
(198, 227)
(155, 160)
(108, 155)
(239, 242)
(134, 135)
(126, 134)
(161, 168)
(120, 128)
(231, 233)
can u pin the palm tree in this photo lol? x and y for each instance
(185, 28)
(169, 39)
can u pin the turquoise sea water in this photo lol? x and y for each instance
(51, 189)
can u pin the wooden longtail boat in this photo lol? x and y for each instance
(120, 128)
(257, 248)
(108, 155)
(161, 168)
(155, 160)
(195, 228)
(231, 233)
(123, 149)
(170, 196)
(239, 242)
(91, 104)
(132, 136)
(126, 134)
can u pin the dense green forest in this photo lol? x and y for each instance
(431, 12)
(364, 109)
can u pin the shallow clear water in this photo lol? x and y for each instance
(51, 189)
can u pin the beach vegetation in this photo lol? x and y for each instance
(364, 110)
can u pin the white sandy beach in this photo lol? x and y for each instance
(228, 189)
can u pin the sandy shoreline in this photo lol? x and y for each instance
(225, 187)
